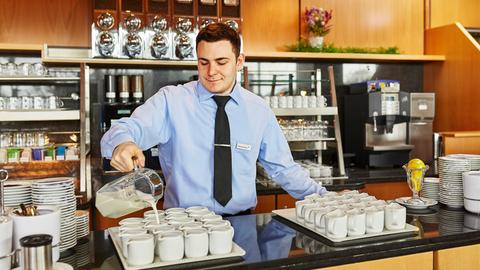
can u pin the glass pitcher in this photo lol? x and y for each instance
(135, 191)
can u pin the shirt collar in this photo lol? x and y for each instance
(203, 94)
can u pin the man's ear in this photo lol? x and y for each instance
(240, 61)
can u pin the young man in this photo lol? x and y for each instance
(210, 134)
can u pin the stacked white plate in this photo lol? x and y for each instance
(15, 194)
(431, 188)
(82, 220)
(60, 192)
(451, 185)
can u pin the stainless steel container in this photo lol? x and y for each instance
(123, 88)
(37, 252)
(137, 88)
(110, 88)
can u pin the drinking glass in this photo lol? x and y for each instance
(415, 183)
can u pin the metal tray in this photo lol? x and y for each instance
(237, 251)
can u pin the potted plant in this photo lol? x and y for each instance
(317, 20)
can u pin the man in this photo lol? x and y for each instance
(208, 152)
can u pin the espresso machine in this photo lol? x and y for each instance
(375, 127)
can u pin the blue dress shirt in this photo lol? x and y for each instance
(181, 121)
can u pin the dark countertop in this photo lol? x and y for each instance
(271, 242)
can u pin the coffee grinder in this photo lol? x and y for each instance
(131, 34)
(158, 36)
(104, 33)
(375, 127)
(185, 30)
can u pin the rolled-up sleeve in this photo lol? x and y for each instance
(276, 158)
(147, 126)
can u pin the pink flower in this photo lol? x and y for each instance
(317, 20)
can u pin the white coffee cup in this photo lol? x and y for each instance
(308, 207)
(174, 210)
(198, 215)
(220, 240)
(368, 199)
(181, 221)
(218, 223)
(6, 236)
(131, 221)
(211, 218)
(176, 216)
(289, 101)
(312, 197)
(377, 203)
(196, 243)
(125, 236)
(297, 102)
(395, 217)
(282, 101)
(130, 227)
(274, 101)
(336, 224)
(299, 206)
(310, 214)
(319, 219)
(170, 246)
(151, 213)
(355, 222)
(164, 228)
(140, 250)
(196, 209)
(191, 225)
(375, 218)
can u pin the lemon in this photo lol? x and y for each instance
(416, 166)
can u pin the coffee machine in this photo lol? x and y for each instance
(375, 127)
(420, 126)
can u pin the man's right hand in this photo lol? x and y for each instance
(125, 155)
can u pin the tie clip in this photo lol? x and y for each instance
(221, 144)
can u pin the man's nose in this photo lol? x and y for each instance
(212, 69)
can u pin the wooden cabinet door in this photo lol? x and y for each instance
(265, 204)
(285, 201)
(457, 258)
(419, 261)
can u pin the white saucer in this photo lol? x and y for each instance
(62, 266)
(404, 201)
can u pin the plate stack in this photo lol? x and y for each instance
(451, 185)
(431, 188)
(82, 219)
(60, 192)
(15, 194)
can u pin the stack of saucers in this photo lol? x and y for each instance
(82, 252)
(451, 185)
(431, 188)
(82, 219)
(15, 194)
(60, 192)
(473, 159)
(451, 221)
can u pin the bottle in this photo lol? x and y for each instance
(137, 88)
(123, 88)
(110, 87)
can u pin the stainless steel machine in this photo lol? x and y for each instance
(375, 128)
(420, 126)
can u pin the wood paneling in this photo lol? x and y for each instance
(373, 23)
(388, 190)
(56, 22)
(265, 204)
(285, 201)
(460, 258)
(443, 12)
(419, 261)
(461, 143)
(269, 25)
(454, 81)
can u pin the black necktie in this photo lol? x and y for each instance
(222, 174)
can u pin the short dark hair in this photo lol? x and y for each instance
(219, 31)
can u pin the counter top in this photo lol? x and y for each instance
(272, 242)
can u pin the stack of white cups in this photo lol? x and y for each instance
(179, 233)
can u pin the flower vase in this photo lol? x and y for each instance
(316, 41)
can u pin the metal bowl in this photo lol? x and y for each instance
(105, 21)
(183, 47)
(233, 24)
(159, 45)
(184, 25)
(132, 23)
(133, 44)
(159, 24)
(206, 22)
(106, 43)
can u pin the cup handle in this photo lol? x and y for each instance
(60, 103)
(233, 232)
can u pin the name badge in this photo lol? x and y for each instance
(243, 146)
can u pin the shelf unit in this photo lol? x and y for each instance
(41, 169)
